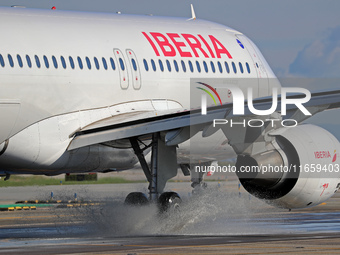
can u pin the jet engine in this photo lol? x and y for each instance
(303, 170)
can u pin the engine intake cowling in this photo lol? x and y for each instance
(303, 170)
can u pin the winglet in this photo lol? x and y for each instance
(193, 15)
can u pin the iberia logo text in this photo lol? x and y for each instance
(326, 154)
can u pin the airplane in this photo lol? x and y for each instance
(98, 92)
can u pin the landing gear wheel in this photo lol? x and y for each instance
(136, 198)
(169, 202)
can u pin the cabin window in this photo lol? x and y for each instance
(146, 66)
(63, 62)
(183, 66)
(234, 67)
(54, 60)
(37, 61)
(241, 67)
(227, 67)
(212, 66)
(71, 62)
(28, 60)
(191, 66)
(88, 62)
(80, 63)
(153, 65)
(248, 68)
(2, 62)
(10, 59)
(198, 66)
(168, 65)
(47, 64)
(134, 65)
(104, 63)
(19, 61)
(220, 67)
(176, 66)
(96, 63)
(121, 63)
(205, 66)
(113, 64)
(161, 65)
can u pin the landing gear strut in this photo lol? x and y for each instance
(163, 168)
(151, 175)
(197, 180)
(154, 168)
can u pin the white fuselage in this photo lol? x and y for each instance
(46, 94)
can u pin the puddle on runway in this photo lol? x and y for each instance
(214, 213)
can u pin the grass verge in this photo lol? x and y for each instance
(16, 181)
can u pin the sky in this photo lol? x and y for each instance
(299, 38)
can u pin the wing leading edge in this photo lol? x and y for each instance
(109, 130)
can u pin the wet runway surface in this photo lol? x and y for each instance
(218, 223)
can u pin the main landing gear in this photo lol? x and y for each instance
(163, 168)
(136, 198)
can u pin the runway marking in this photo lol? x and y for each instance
(268, 250)
(153, 249)
(290, 251)
(32, 217)
(282, 249)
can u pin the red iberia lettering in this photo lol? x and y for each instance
(219, 48)
(207, 45)
(167, 49)
(179, 45)
(186, 45)
(322, 154)
(194, 44)
(152, 44)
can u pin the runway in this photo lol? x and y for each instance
(220, 222)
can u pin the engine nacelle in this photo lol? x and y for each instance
(303, 171)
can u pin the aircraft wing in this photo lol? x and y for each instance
(141, 123)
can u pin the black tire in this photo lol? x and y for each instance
(136, 198)
(169, 202)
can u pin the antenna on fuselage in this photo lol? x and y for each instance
(193, 15)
